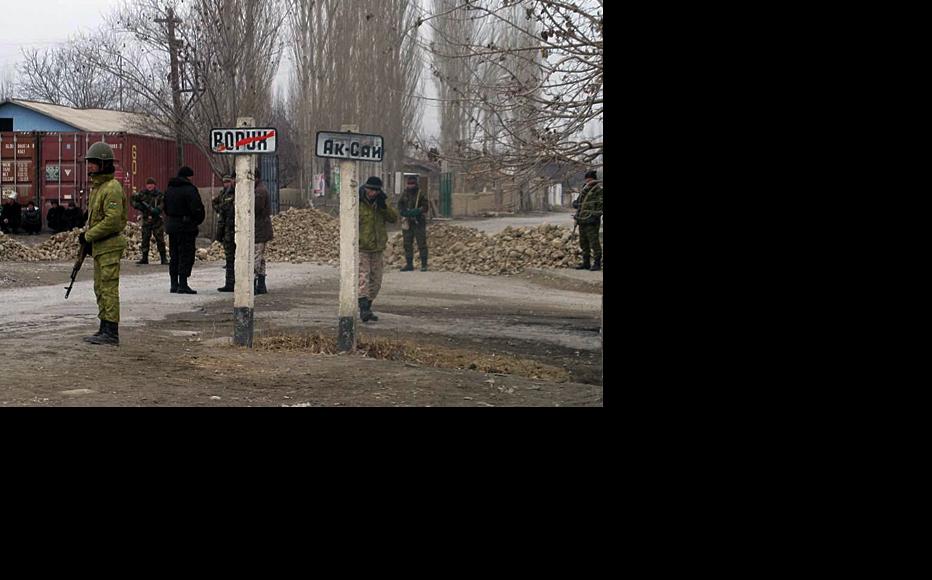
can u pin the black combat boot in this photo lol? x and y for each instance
(110, 334)
(164, 259)
(183, 287)
(585, 263)
(424, 261)
(597, 265)
(230, 280)
(99, 331)
(372, 315)
(409, 265)
(174, 289)
(364, 312)
(260, 285)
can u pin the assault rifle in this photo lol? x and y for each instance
(82, 253)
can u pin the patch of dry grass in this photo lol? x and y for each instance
(424, 355)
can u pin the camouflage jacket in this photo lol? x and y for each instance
(225, 206)
(153, 199)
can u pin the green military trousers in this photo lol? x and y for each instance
(589, 240)
(107, 285)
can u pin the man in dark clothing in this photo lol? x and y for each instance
(74, 217)
(11, 217)
(263, 218)
(55, 218)
(413, 208)
(225, 206)
(149, 202)
(184, 211)
(32, 219)
(589, 218)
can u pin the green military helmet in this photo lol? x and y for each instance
(101, 151)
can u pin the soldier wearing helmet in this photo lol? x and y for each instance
(106, 219)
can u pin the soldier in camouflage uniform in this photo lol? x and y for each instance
(149, 202)
(413, 207)
(589, 218)
(225, 206)
(106, 220)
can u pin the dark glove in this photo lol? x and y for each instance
(380, 200)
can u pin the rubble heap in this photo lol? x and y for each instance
(461, 249)
(304, 235)
(13, 251)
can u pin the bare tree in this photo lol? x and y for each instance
(536, 81)
(7, 83)
(64, 76)
(225, 53)
(353, 63)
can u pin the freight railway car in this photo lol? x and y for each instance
(40, 166)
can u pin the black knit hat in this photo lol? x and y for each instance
(151, 180)
(185, 172)
(373, 183)
(591, 173)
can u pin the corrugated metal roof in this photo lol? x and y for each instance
(92, 120)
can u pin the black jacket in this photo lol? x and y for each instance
(55, 217)
(184, 210)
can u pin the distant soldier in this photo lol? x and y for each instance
(55, 218)
(224, 204)
(373, 237)
(150, 202)
(32, 219)
(106, 220)
(589, 218)
(413, 207)
(263, 231)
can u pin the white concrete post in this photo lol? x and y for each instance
(349, 251)
(245, 239)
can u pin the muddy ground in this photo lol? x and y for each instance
(175, 349)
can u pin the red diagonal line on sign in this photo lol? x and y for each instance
(247, 141)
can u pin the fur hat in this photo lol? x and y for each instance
(185, 172)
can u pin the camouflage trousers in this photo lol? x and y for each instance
(589, 240)
(420, 233)
(150, 229)
(260, 259)
(229, 251)
(107, 285)
(370, 274)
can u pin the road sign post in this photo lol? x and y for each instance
(349, 147)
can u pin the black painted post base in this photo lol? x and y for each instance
(346, 339)
(242, 326)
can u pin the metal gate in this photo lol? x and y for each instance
(268, 166)
(446, 194)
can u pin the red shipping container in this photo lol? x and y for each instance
(18, 167)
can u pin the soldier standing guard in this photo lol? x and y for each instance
(106, 219)
(149, 202)
(225, 206)
(414, 208)
(589, 218)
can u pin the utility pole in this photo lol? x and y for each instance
(173, 43)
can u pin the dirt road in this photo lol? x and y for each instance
(529, 340)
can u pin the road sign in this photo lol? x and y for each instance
(354, 146)
(243, 141)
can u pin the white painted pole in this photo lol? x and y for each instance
(349, 252)
(245, 239)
